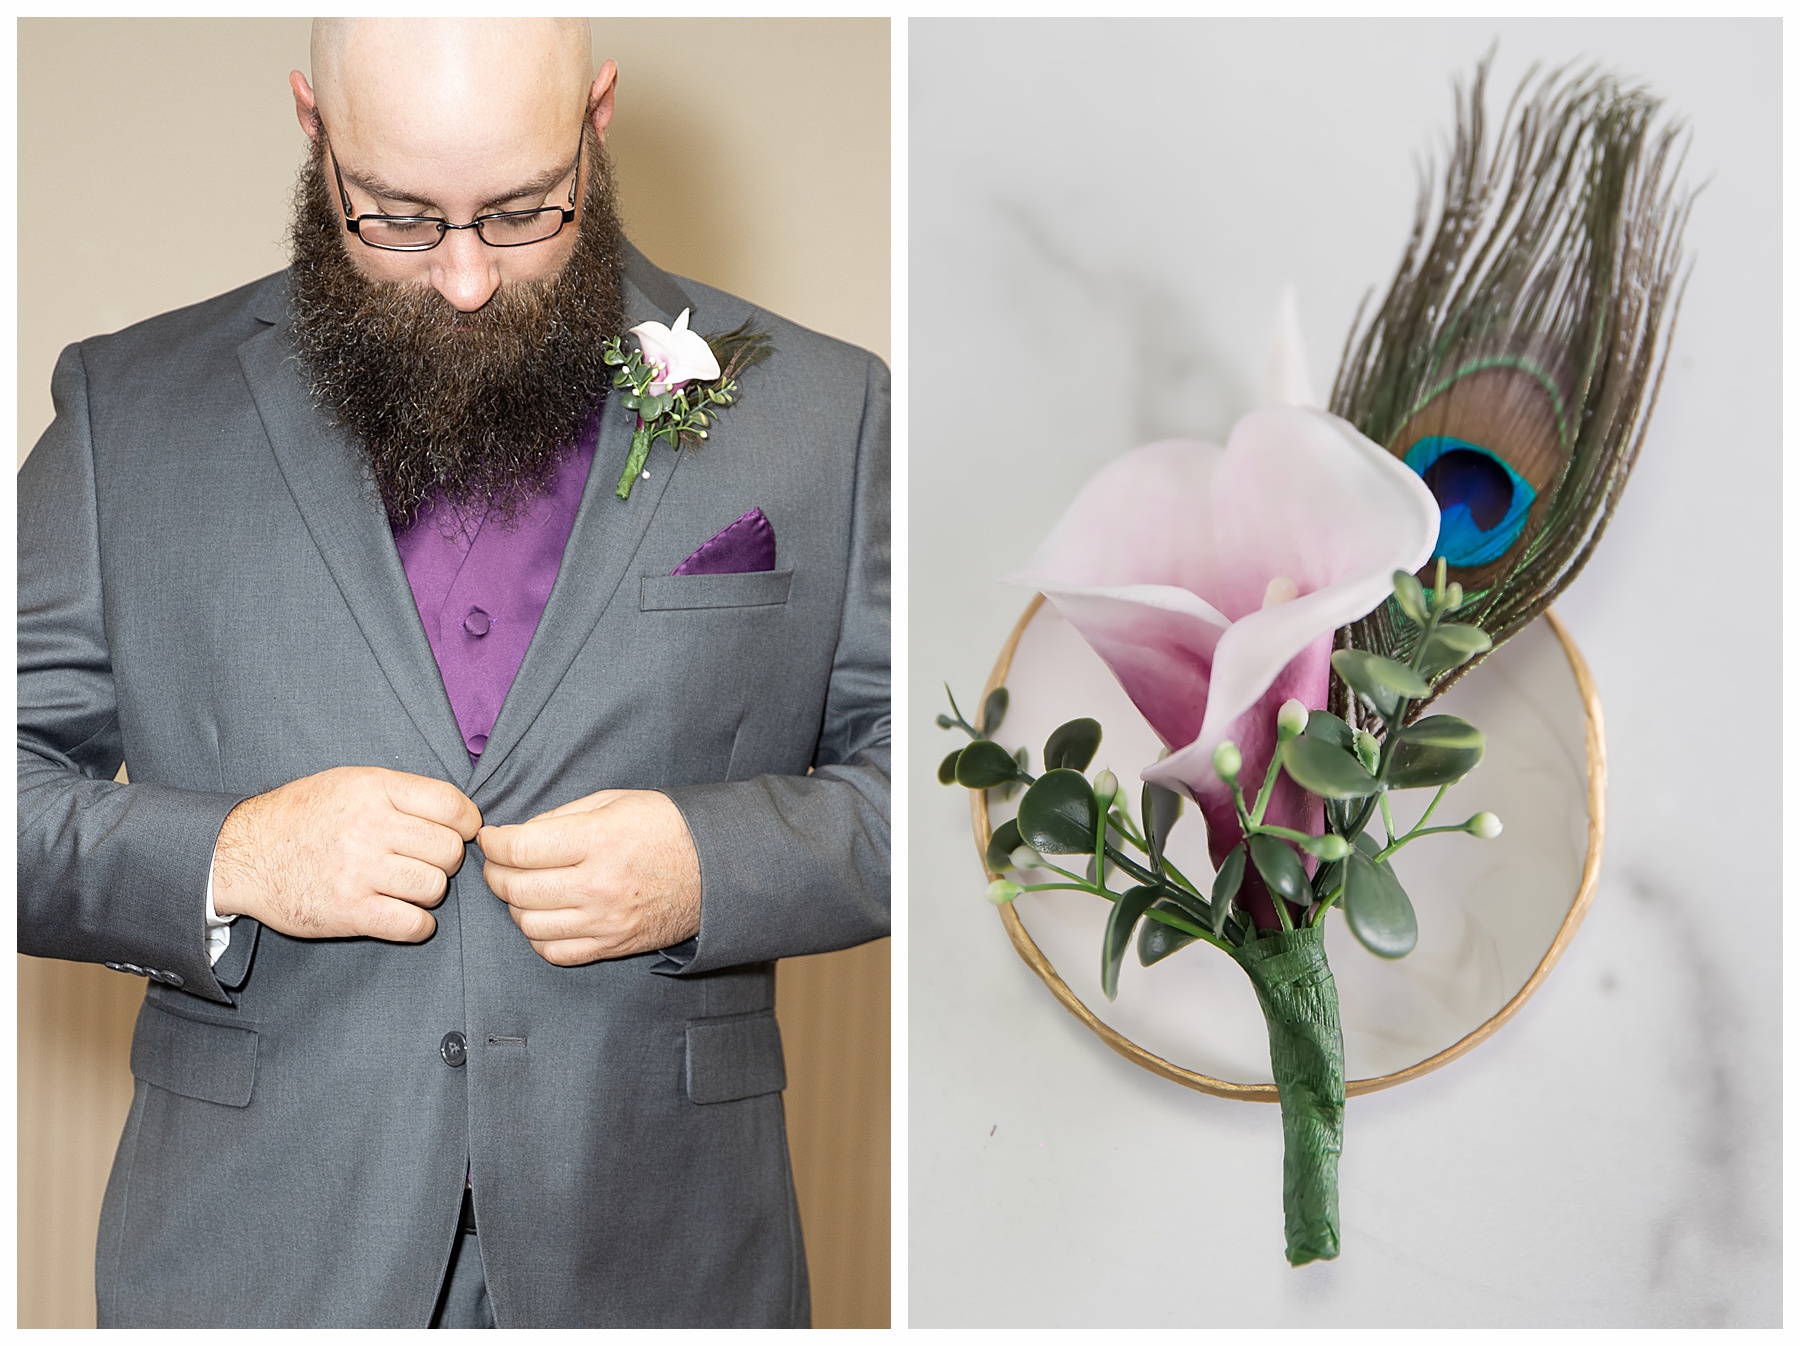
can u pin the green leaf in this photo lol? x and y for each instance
(1453, 644)
(984, 764)
(1381, 682)
(1325, 769)
(1002, 844)
(1225, 887)
(1161, 808)
(1125, 915)
(1058, 814)
(954, 708)
(947, 768)
(993, 711)
(1437, 750)
(1378, 910)
(1327, 728)
(1281, 868)
(1157, 941)
(1410, 595)
(1442, 731)
(1022, 758)
(945, 722)
(1072, 745)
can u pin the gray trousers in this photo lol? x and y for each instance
(463, 1301)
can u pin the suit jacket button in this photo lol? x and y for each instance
(454, 1048)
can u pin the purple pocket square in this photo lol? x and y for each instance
(742, 546)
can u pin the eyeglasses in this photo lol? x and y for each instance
(421, 233)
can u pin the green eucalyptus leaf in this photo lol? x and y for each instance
(1438, 757)
(1453, 644)
(1072, 745)
(1365, 671)
(993, 711)
(1157, 941)
(1378, 910)
(1161, 808)
(1326, 769)
(1442, 731)
(1058, 814)
(1225, 886)
(985, 764)
(947, 768)
(1281, 868)
(1126, 913)
(1022, 758)
(1326, 727)
(1410, 595)
(1002, 844)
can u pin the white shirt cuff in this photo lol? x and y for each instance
(218, 928)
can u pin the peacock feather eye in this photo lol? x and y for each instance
(1483, 502)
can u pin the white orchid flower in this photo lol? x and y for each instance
(677, 355)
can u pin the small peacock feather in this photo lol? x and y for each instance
(1516, 357)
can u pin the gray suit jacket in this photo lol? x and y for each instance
(209, 592)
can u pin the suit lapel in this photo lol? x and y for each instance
(324, 472)
(602, 543)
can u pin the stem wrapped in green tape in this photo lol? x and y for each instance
(634, 461)
(1306, 1050)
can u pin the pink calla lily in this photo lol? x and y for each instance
(1210, 580)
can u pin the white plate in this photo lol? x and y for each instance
(1493, 915)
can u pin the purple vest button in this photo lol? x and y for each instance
(476, 623)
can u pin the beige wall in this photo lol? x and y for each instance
(752, 155)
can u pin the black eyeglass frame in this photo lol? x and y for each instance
(354, 222)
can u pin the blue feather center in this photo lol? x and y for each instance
(1483, 503)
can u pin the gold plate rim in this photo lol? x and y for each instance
(1035, 959)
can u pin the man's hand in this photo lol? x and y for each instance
(350, 851)
(606, 876)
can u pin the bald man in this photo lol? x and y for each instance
(476, 783)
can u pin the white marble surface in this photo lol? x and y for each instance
(1111, 210)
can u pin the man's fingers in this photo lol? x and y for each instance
(541, 889)
(401, 922)
(435, 800)
(411, 880)
(433, 843)
(570, 952)
(562, 923)
(546, 842)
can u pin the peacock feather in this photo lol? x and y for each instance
(1515, 359)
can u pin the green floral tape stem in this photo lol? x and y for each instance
(1306, 1050)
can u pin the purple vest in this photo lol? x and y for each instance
(481, 585)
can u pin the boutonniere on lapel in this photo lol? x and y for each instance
(674, 380)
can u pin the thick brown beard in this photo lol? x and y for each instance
(478, 407)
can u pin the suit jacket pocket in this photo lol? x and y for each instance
(196, 1058)
(734, 1056)
(750, 589)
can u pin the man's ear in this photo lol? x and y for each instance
(306, 106)
(600, 97)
